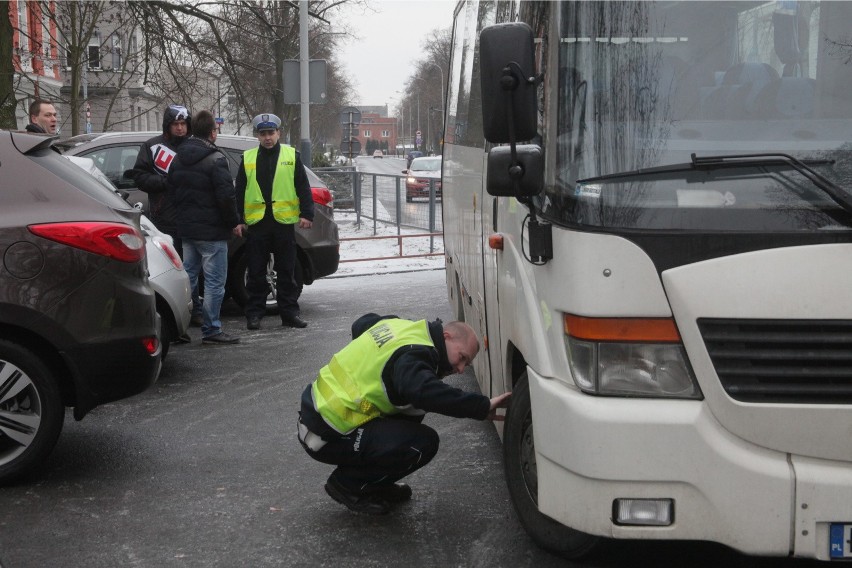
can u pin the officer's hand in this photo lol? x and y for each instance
(305, 223)
(240, 230)
(500, 401)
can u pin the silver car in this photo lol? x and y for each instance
(166, 274)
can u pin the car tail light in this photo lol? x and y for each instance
(114, 240)
(322, 196)
(169, 250)
(151, 344)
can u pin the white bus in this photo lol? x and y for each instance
(647, 220)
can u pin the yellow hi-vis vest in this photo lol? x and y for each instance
(349, 390)
(285, 202)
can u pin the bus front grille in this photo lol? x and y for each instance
(782, 361)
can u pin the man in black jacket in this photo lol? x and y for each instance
(363, 413)
(273, 198)
(203, 193)
(43, 117)
(152, 166)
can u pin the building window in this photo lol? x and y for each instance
(385, 133)
(367, 133)
(93, 53)
(22, 23)
(116, 52)
(45, 34)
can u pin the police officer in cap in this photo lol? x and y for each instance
(273, 198)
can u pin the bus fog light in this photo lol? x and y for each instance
(645, 512)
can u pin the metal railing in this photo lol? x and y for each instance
(399, 239)
(382, 198)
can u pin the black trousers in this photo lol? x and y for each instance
(280, 241)
(378, 453)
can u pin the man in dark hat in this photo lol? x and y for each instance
(149, 172)
(152, 166)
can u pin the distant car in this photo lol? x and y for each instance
(78, 319)
(318, 252)
(166, 273)
(378, 154)
(422, 173)
(411, 155)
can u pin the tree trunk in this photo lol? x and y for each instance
(7, 70)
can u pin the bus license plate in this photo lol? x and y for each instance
(840, 541)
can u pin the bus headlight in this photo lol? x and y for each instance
(629, 357)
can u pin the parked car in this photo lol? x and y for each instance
(166, 274)
(411, 155)
(78, 319)
(378, 154)
(318, 252)
(423, 172)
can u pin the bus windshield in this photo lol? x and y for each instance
(648, 84)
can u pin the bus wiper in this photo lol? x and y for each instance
(837, 194)
(833, 190)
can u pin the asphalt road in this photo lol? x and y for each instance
(204, 469)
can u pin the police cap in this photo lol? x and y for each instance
(266, 122)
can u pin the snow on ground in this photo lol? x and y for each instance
(386, 249)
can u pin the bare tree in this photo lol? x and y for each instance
(426, 87)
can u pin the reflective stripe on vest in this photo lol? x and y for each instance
(285, 202)
(349, 390)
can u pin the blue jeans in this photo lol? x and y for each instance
(212, 257)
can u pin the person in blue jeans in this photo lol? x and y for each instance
(203, 194)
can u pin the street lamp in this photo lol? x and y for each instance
(442, 79)
(402, 119)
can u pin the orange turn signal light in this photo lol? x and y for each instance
(495, 241)
(656, 330)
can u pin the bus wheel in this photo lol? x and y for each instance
(522, 480)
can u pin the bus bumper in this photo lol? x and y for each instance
(724, 489)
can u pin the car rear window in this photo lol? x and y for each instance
(76, 176)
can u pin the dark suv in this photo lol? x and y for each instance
(78, 320)
(318, 247)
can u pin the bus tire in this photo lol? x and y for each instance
(522, 481)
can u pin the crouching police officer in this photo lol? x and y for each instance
(273, 197)
(363, 413)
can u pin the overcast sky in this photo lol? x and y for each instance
(380, 64)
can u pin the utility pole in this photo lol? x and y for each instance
(304, 77)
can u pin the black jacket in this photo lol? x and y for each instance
(266, 164)
(35, 128)
(202, 191)
(149, 172)
(411, 376)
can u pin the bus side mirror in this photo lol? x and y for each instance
(518, 176)
(507, 70)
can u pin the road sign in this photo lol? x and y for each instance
(350, 148)
(220, 120)
(350, 115)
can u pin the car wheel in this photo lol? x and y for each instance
(522, 480)
(31, 411)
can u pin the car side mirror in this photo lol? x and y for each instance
(518, 176)
(507, 79)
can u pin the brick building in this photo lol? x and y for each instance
(35, 54)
